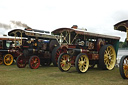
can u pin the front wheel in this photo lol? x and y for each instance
(21, 61)
(8, 59)
(123, 67)
(107, 57)
(82, 63)
(64, 63)
(34, 62)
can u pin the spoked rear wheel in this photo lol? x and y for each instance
(21, 61)
(56, 53)
(64, 63)
(82, 63)
(123, 67)
(107, 57)
(1, 60)
(8, 59)
(34, 62)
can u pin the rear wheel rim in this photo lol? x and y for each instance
(125, 67)
(58, 52)
(34, 62)
(8, 59)
(83, 63)
(65, 62)
(110, 57)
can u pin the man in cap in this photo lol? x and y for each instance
(74, 26)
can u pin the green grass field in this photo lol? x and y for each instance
(12, 75)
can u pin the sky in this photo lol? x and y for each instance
(97, 16)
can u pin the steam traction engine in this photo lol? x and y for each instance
(9, 50)
(84, 49)
(36, 49)
(123, 66)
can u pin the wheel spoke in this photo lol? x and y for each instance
(126, 61)
(62, 62)
(111, 61)
(126, 73)
(125, 67)
(106, 61)
(105, 57)
(107, 65)
(111, 54)
(80, 66)
(58, 52)
(106, 52)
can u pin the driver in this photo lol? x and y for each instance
(74, 27)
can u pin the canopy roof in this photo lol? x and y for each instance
(82, 32)
(121, 26)
(32, 34)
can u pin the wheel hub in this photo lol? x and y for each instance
(8, 59)
(34, 61)
(21, 61)
(82, 62)
(109, 57)
(64, 62)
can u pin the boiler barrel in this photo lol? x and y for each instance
(42, 31)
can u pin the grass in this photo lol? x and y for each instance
(12, 75)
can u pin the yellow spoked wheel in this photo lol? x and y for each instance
(107, 57)
(64, 63)
(8, 59)
(123, 67)
(82, 63)
(1, 60)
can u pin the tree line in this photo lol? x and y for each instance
(123, 44)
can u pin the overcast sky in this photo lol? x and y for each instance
(96, 16)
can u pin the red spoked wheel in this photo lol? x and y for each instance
(21, 61)
(34, 62)
(56, 53)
